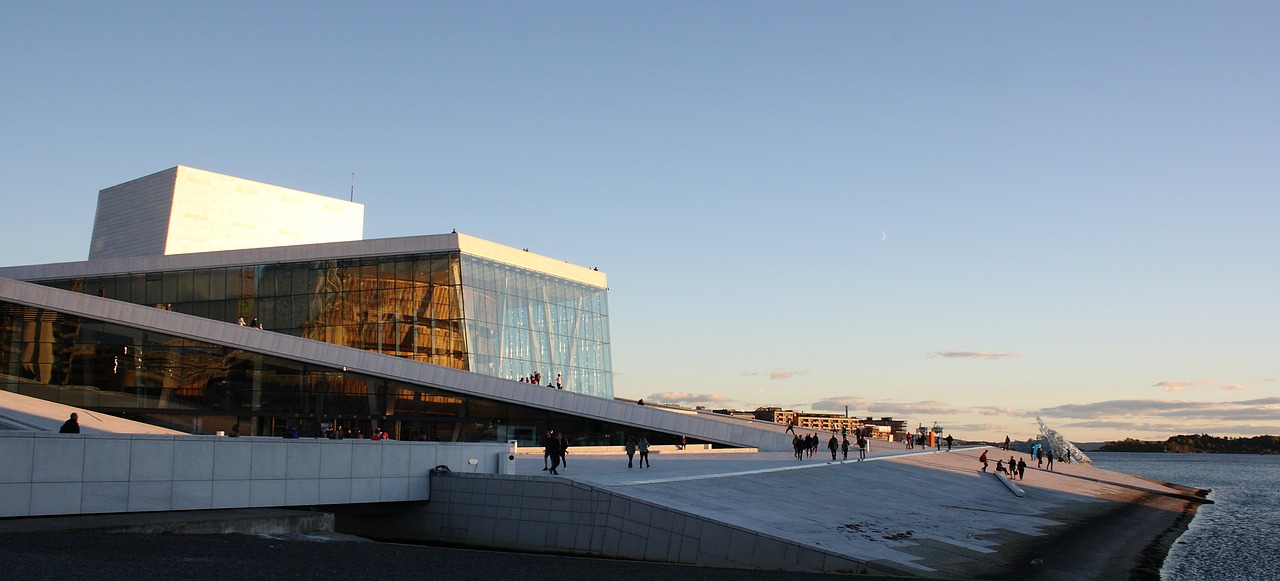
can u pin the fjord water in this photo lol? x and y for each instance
(1237, 537)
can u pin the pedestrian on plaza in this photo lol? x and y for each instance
(546, 450)
(553, 449)
(798, 445)
(71, 426)
(983, 459)
(862, 447)
(844, 449)
(631, 450)
(948, 439)
(1022, 468)
(1049, 467)
(834, 445)
(643, 447)
(564, 449)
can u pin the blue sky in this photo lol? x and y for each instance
(967, 213)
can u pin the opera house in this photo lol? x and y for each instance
(211, 303)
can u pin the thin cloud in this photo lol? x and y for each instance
(684, 397)
(1161, 430)
(1176, 386)
(1183, 412)
(970, 428)
(837, 404)
(998, 411)
(776, 375)
(974, 355)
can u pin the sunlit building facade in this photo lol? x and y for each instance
(448, 300)
(446, 307)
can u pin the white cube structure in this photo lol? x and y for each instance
(183, 210)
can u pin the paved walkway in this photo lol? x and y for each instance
(925, 512)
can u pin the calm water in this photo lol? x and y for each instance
(1237, 537)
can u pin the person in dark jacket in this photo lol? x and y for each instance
(71, 426)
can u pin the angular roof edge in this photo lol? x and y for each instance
(765, 436)
(304, 252)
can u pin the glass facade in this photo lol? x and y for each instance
(199, 387)
(445, 308)
(522, 323)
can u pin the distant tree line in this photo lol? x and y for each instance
(1202, 443)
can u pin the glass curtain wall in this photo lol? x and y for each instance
(198, 387)
(516, 322)
(523, 324)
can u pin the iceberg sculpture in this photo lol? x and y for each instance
(1060, 446)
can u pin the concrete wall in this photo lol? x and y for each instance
(550, 515)
(61, 474)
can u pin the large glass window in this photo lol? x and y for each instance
(203, 388)
(522, 323)
(516, 322)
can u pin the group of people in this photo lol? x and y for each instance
(337, 433)
(1016, 469)
(536, 379)
(641, 446)
(555, 450)
(252, 323)
(807, 446)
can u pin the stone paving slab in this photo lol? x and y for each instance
(932, 512)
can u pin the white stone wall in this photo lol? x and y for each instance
(60, 474)
(184, 210)
(552, 515)
(133, 217)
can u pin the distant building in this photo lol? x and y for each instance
(883, 428)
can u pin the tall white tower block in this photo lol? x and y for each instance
(183, 210)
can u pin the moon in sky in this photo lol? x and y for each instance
(883, 236)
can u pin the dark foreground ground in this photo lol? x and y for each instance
(143, 557)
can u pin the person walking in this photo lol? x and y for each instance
(546, 450)
(631, 450)
(643, 447)
(948, 439)
(1022, 468)
(564, 449)
(553, 450)
(834, 445)
(862, 447)
(983, 459)
(1049, 465)
(844, 449)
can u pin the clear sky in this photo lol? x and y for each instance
(964, 213)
